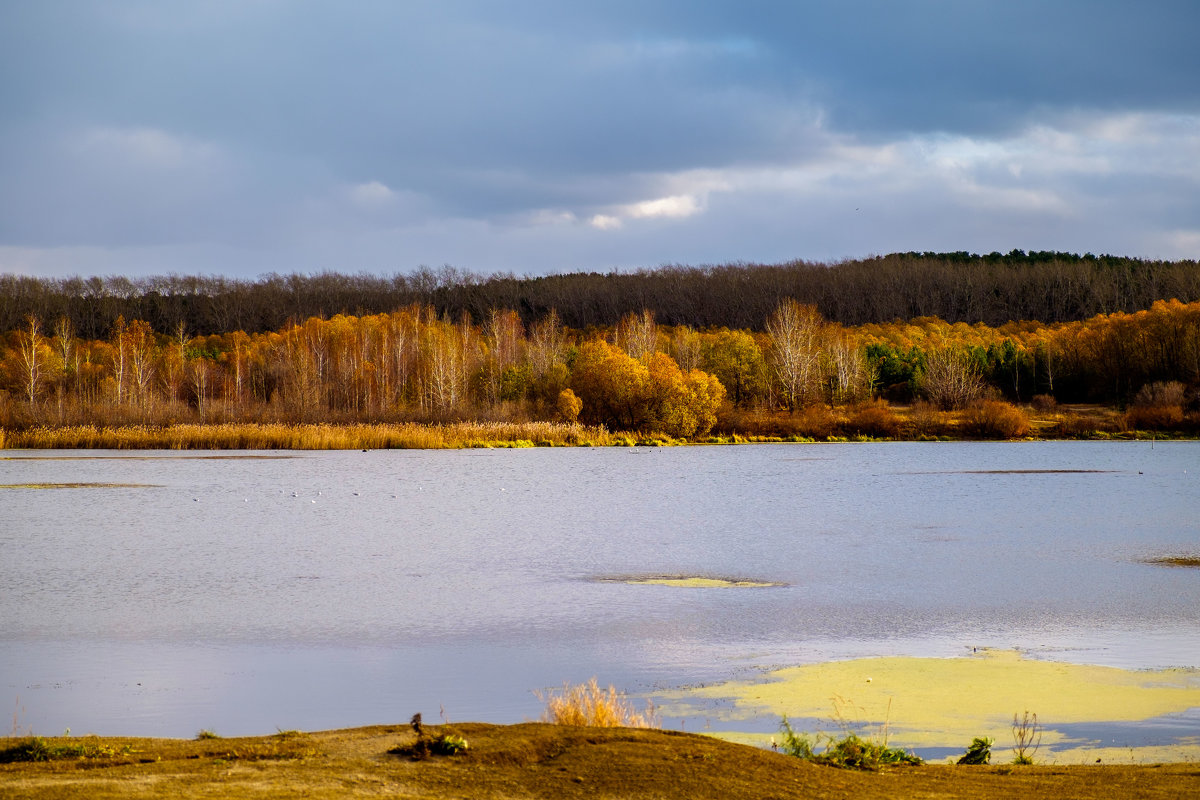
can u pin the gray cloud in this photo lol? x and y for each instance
(539, 136)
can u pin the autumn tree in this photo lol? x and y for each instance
(737, 361)
(683, 406)
(648, 394)
(611, 386)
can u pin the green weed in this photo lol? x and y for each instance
(980, 752)
(851, 751)
(36, 748)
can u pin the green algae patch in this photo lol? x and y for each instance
(945, 702)
(692, 582)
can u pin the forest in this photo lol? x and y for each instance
(800, 371)
(956, 287)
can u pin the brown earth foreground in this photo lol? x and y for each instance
(535, 760)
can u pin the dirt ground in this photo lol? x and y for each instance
(534, 760)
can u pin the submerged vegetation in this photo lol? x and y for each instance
(1176, 561)
(430, 375)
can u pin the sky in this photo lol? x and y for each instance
(246, 137)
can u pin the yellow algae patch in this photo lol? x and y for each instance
(692, 582)
(948, 701)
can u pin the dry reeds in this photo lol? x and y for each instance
(586, 704)
(279, 436)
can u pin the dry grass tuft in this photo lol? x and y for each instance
(586, 704)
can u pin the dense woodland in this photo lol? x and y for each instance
(957, 287)
(660, 365)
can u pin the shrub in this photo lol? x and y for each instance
(1075, 426)
(1154, 418)
(996, 419)
(927, 420)
(875, 419)
(568, 406)
(586, 704)
(816, 421)
(1044, 403)
(1157, 406)
(1160, 393)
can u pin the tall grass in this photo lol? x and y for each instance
(279, 436)
(586, 704)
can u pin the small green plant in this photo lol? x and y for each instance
(795, 744)
(980, 752)
(849, 752)
(207, 734)
(36, 748)
(1027, 737)
(854, 752)
(449, 745)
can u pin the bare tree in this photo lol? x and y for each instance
(794, 355)
(949, 379)
(637, 335)
(32, 359)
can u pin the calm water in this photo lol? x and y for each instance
(245, 592)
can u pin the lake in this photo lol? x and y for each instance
(158, 593)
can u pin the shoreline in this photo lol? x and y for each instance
(471, 435)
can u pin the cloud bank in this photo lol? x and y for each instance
(239, 138)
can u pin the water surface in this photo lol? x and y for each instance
(161, 593)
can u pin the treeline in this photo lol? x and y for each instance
(957, 287)
(416, 364)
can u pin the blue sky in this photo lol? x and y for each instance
(241, 137)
